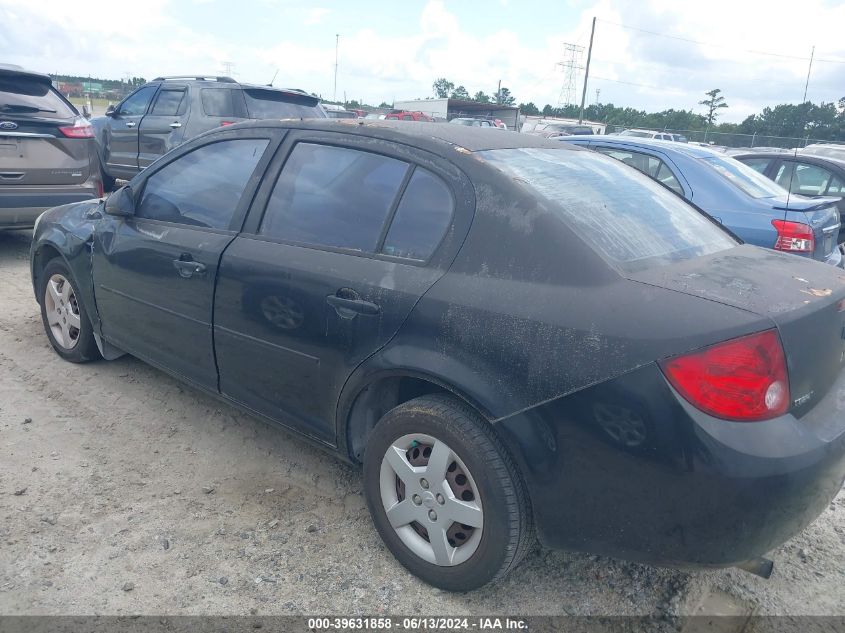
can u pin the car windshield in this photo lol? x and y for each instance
(747, 179)
(632, 221)
(635, 133)
(569, 129)
(23, 95)
(274, 104)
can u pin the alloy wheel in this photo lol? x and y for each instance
(62, 309)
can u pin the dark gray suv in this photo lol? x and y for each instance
(169, 111)
(47, 152)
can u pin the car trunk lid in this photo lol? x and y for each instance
(804, 300)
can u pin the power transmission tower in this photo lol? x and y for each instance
(228, 69)
(570, 65)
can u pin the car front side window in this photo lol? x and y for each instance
(136, 104)
(203, 187)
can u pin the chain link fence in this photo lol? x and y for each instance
(730, 139)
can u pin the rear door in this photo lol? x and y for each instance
(154, 273)
(33, 148)
(336, 252)
(164, 127)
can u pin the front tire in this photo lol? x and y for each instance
(445, 495)
(63, 314)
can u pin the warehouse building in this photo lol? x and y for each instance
(448, 109)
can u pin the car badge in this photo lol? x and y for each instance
(8, 125)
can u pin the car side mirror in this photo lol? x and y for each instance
(111, 110)
(121, 203)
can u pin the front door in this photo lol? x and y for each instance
(164, 127)
(122, 157)
(154, 273)
(349, 242)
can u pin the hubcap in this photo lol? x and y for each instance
(62, 310)
(431, 500)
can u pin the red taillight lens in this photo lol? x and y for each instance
(743, 379)
(225, 123)
(80, 129)
(794, 237)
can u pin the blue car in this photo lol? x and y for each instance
(756, 209)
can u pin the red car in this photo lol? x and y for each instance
(403, 115)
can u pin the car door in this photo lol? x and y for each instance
(164, 127)
(812, 180)
(154, 272)
(337, 250)
(122, 155)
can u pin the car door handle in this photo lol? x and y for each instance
(130, 124)
(175, 124)
(349, 306)
(187, 268)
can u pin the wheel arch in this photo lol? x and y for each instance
(362, 405)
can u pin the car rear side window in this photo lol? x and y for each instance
(627, 218)
(757, 164)
(333, 196)
(202, 188)
(169, 102)
(222, 102)
(27, 96)
(803, 178)
(422, 218)
(136, 104)
(649, 165)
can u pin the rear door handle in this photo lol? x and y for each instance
(347, 303)
(187, 268)
(130, 124)
(175, 124)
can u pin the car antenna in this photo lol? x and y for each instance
(274, 78)
(803, 127)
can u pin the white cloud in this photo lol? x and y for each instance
(315, 15)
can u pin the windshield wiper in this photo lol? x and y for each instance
(11, 107)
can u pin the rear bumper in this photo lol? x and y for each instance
(20, 206)
(628, 469)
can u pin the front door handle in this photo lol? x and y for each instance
(187, 268)
(348, 303)
(130, 124)
(175, 124)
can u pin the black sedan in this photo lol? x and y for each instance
(512, 335)
(805, 174)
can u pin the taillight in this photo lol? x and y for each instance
(80, 129)
(225, 123)
(743, 379)
(794, 237)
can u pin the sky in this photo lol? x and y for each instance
(649, 54)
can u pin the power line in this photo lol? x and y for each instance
(714, 45)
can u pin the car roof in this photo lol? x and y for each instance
(432, 136)
(693, 151)
(13, 70)
(810, 158)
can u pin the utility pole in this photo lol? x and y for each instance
(598, 92)
(336, 47)
(809, 68)
(499, 94)
(587, 71)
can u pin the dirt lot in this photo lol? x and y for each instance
(122, 491)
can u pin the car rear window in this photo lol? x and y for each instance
(275, 104)
(22, 95)
(747, 179)
(218, 102)
(629, 219)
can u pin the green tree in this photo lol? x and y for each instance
(460, 93)
(481, 97)
(505, 97)
(442, 88)
(529, 109)
(713, 104)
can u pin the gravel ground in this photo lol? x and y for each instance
(123, 491)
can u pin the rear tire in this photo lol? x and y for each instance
(63, 314)
(445, 495)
